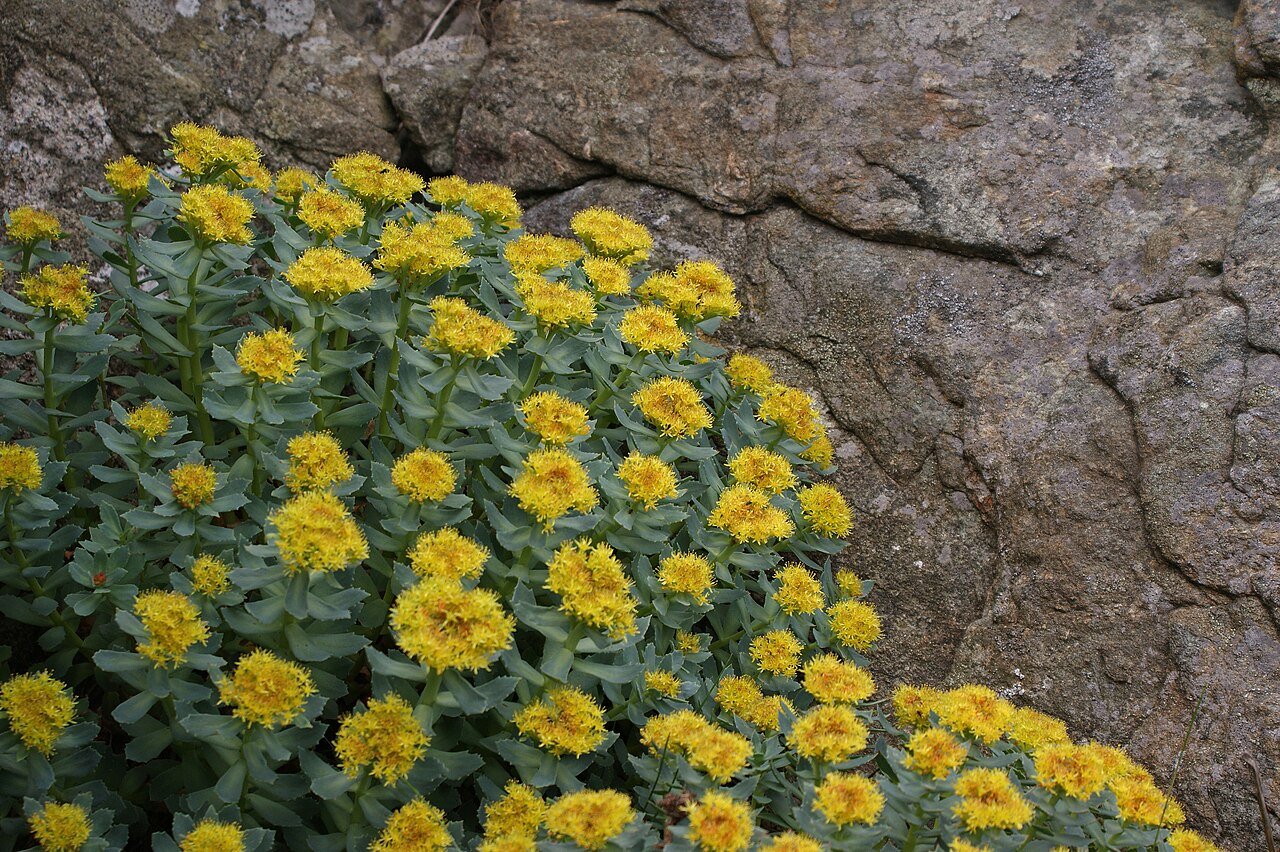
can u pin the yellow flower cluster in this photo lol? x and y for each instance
(696, 290)
(1032, 729)
(1076, 771)
(28, 226)
(462, 330)
(385, 737)
(269, 356)
(612, 235)
(826, 510)
(59, 827)
(989, 799)
(149, 421)
(554, 304)
(516, 816)
(540, 252)
(590, 818)
(173, 625)
(762, 468)
(854, 623)
(419, 254)
(193, 484)
(202, 151)
(748, 373)
(329, 214)
(553, 418)
(61, 290)
(687, 574)
(551, 483)
(793, 411)
(664, 683)
(415, 827)
(565, 721)
(314, 531)
(607, 277)
(799, 592)
(39, 707)
(648, 479)
(424, 476)
(831, 680)
(593, 587)
(720, 823)
(266, 690)
(743, 697)
(377, 183)
(674, 406)
(214, 214)
(845, 798)
(212, 836)
(829, 733)
(746, 513)
(449, 554)
(19, 468)
(777, 652)
(316, 460)
(291, 183)
(444, 626)
(129, 179)
(651, 328)
(791, 841)
(935, 753)
(326, 274)
(209, 575)
(494, 203)
(712, 750)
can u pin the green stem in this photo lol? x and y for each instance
(427, 699)
(195, 361)
(535, 373)
(393, 365)
(25, 265)
(50, 400)
(442, 403)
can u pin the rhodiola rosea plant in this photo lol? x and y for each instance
(342, 513)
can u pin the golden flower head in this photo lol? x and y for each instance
(444, 626)
(61, 290)
(1140, 801)
(831, 680)
(385, 737)
(590, 818)
(793, 411)
(212, 836)
(129, 179)
(820, 452)
(424, 476)
(193, 484)
(1185, 840)
(450, 191)
(687, 574)
(314, 531)
(329, 214)
(418, 254)
(553, 418)
(565, 721)
(19, 468)
(554, 304)
(746, 513)
(829, 733)
(291, 183)
(28, 226)
(449, 554)
(854, 623)
(648, 479)
(269, 356)
(1032, 729)
(39, 708)
(214, 214)
(452, 226)
(720, 823)
(790, 841)
(326, 274)
(59, 827)
(201, 150)
(374, 181)
(912, 704)
(415, 827)
(989, 800)
(743, 697)
(799, 592)
(687, 642)
(173, 625)
(593, 587)
(551, 483)
(826, 510)
(149, 421)
(651, 328)
(849, 583)
(674, 406)
(1119, 766)
(459, 329)
(540, 252)
(846, 798)
(777, 652)
(495, 203)
(518, 814)
(316, 460)
(662, 682)
(266, 690)
(1076, 771)
(612, 235)
(748, 373)
(765, 469)
(975, 710)
(935, 753)
(249, 176)
(607, 277)
(209, 575)
(696, 290)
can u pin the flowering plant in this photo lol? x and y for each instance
(348, 515)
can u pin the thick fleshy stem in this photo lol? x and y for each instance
(50, 398)
(393, 363)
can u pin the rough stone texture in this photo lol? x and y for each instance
(1024, 253)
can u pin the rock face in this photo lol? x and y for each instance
(1024, 253)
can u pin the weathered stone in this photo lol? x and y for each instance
(428, 85)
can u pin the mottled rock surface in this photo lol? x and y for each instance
(1025, 253)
